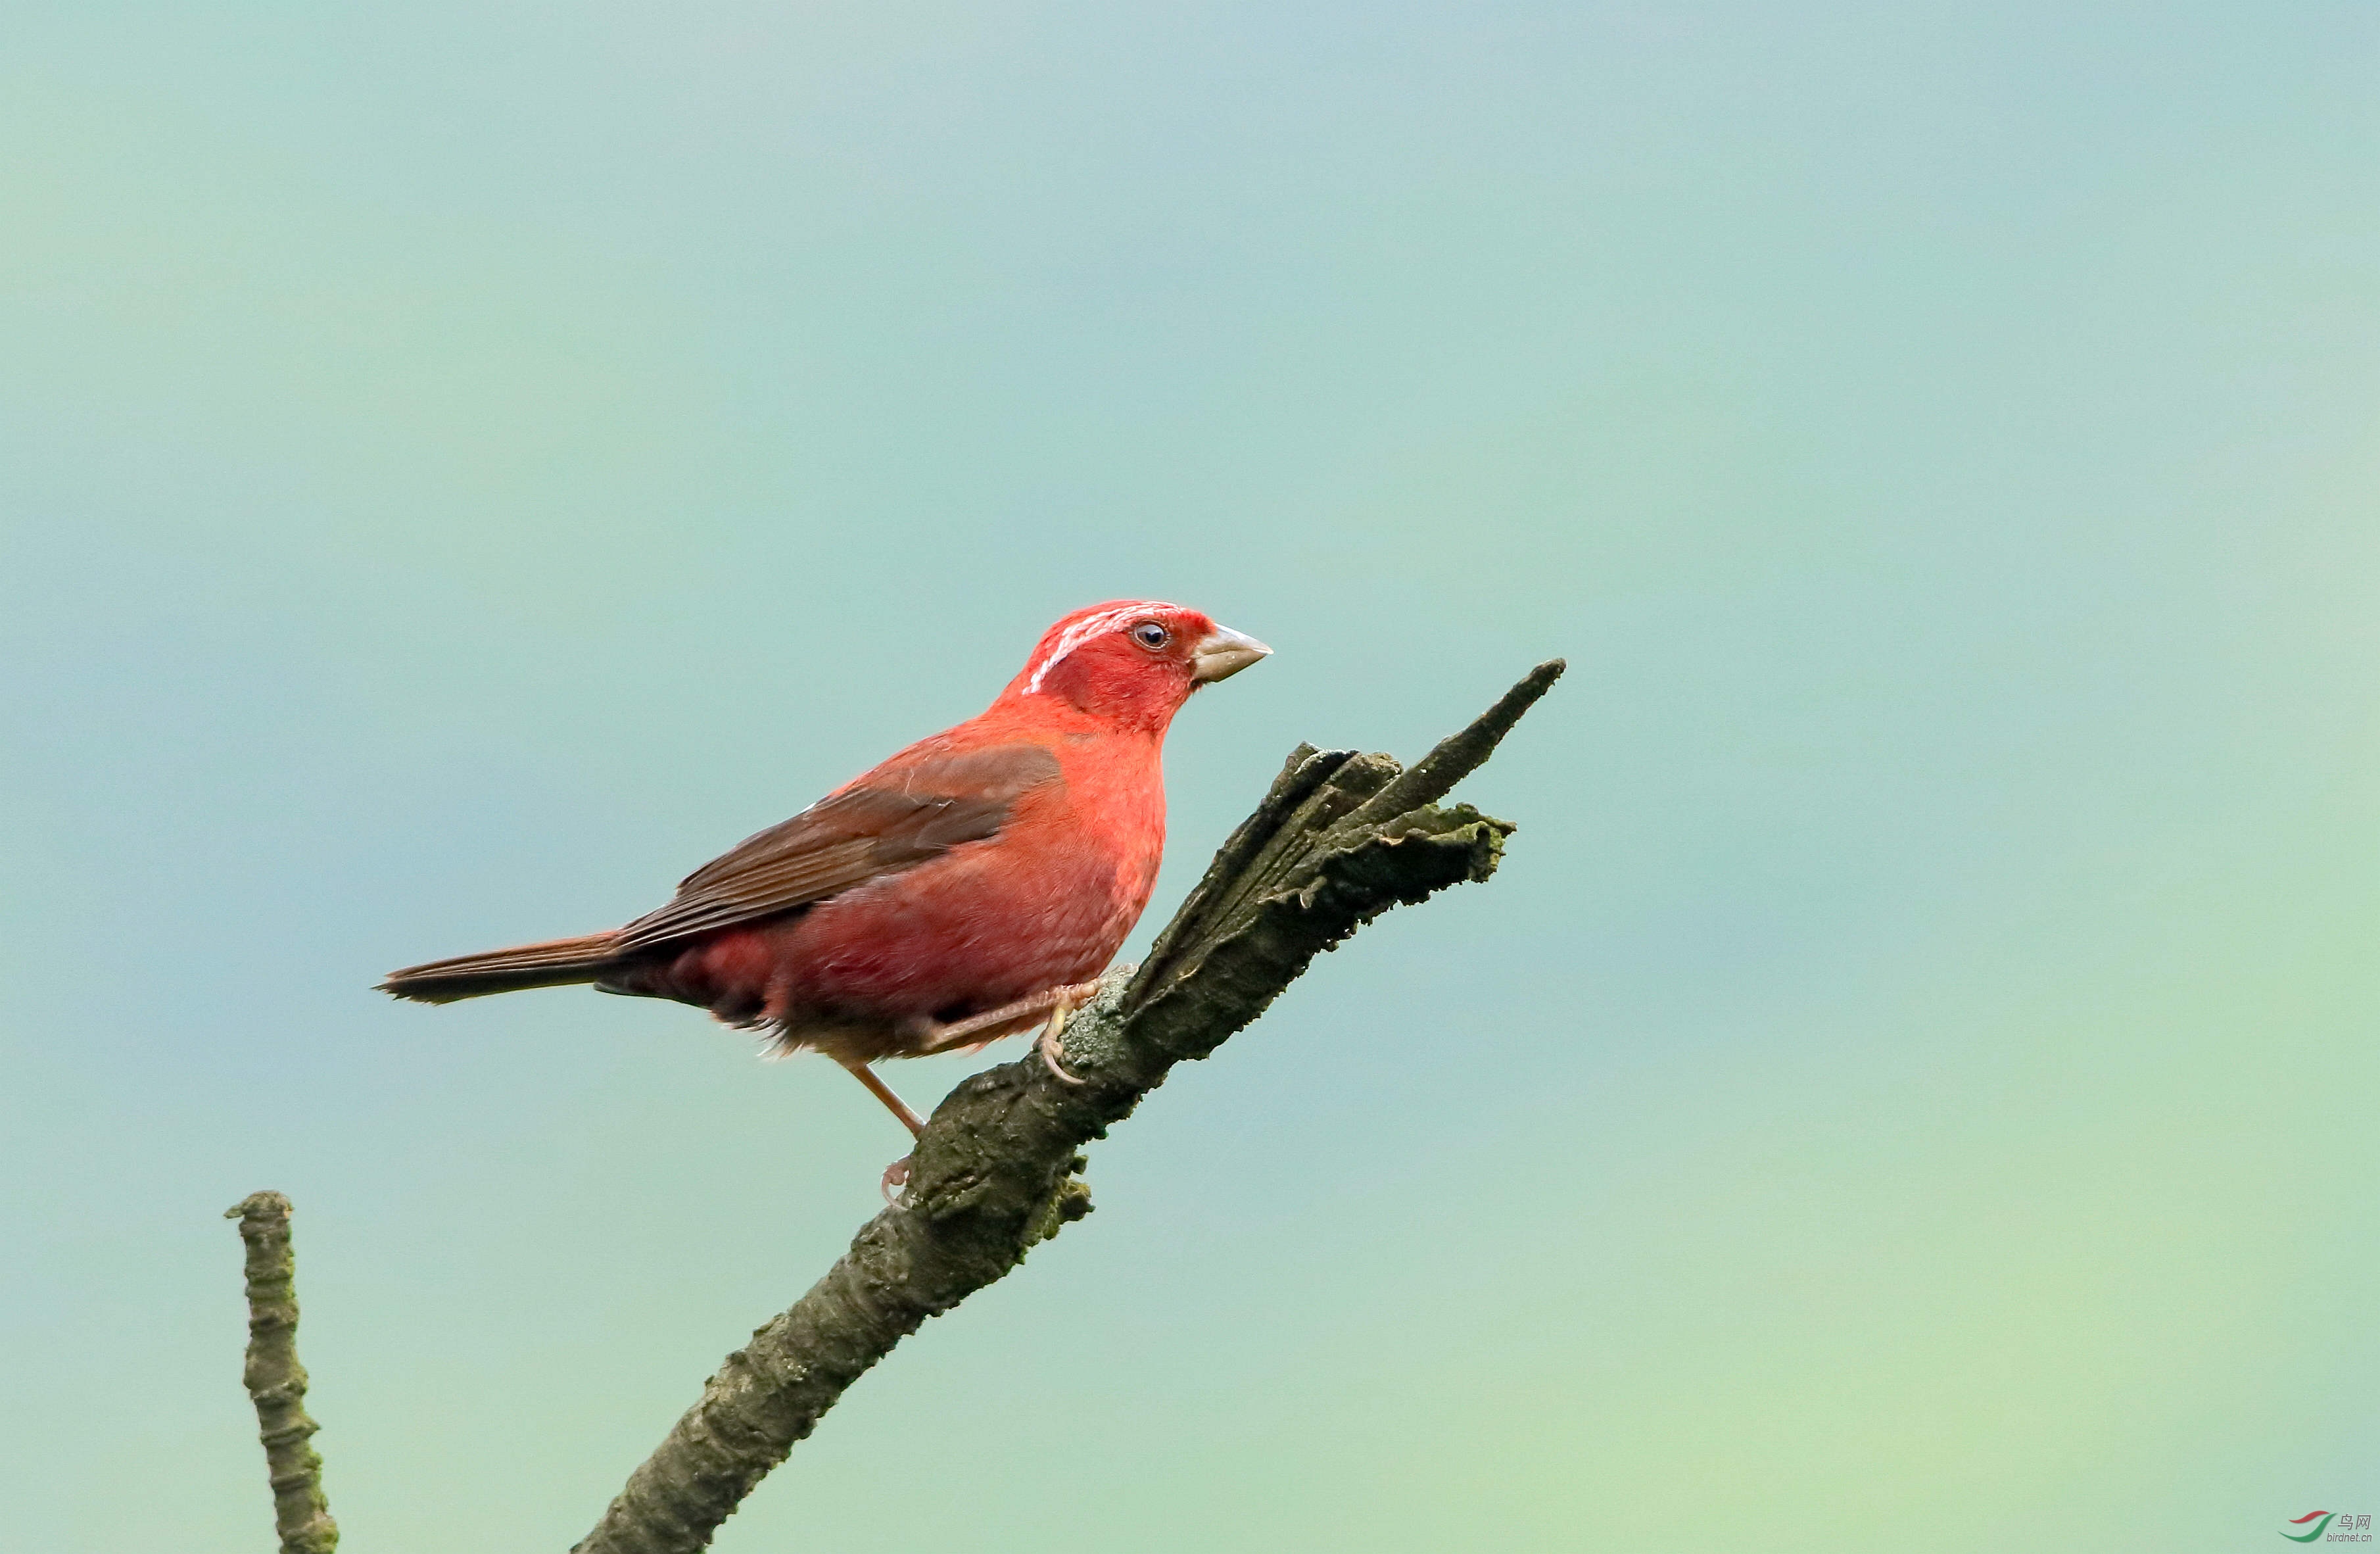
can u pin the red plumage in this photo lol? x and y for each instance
(992, 866)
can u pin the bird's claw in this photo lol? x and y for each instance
(1051, 1051)
(897, 1177)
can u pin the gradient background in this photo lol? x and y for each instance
(1914, 1081)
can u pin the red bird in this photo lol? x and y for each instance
(968, 888)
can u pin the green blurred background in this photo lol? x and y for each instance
(1913, 1080)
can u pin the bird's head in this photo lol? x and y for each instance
(1132, 662)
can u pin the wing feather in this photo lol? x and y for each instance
(893, 820)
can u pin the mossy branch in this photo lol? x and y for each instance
(1339, 839)
(276, 1382)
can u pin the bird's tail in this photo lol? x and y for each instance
(557, 963)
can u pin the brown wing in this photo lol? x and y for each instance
(898, 821)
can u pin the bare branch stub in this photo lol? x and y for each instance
(1338, 839)
(276, 1382)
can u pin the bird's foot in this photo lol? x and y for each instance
(897, 1177)
(1049, 1045)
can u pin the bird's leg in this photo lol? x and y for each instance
(1054, 1004)
(896, 1175)
(883, 1092)
(934, 1037)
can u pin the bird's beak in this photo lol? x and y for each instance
(1222, 654)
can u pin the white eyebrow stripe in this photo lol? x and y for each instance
(1082, 631)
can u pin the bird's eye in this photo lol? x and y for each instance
(1151, 636)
